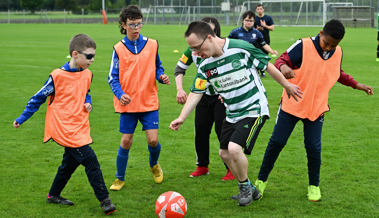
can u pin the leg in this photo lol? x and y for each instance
(236, 161)
(312, 141)
(203, 126)
(65, 170)
(128, 123)
(93, 171)
(284, 126)
(150, 123)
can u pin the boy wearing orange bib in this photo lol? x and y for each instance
(67, 121)
(314, 64)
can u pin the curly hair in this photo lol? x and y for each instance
(132, 12)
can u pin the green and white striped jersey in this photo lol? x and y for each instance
(235, 77)
(187, 59)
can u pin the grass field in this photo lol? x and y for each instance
(349, 172)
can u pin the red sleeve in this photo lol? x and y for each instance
(283, 59)
(347, 80)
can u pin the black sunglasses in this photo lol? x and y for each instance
(88, 56)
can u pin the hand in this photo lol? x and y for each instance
(365, 88)
(165, 79)
(88, 107)
(263, 23)
(175, 124)
(260, 28)
(125, 99)
(294, 91)
(287, 72)
(15, 124)
(181, 96)
(275, 53)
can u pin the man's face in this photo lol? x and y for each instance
(200, 46)
(260, 10)
(248, 22)
(328, 43)
(133, 28)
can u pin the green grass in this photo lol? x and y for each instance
(349, 172)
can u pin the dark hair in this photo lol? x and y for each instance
(248, 14)
(131, 12)
(334, 28)
(200, 28)
(80, 43)
(259, 5)
(215, 22)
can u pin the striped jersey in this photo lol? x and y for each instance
(234, 75)
(187, 59)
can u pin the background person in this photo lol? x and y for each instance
(263, 23)
(248, 33)
(209, 110)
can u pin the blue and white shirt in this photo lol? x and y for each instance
(40, 97)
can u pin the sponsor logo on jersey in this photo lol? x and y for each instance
(232, 80)
(184, 59)
(200, 84)
(212, 72)
(236, 64)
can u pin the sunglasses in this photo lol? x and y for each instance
(88, 56)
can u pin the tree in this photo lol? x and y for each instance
(70, 5)
(31, 5)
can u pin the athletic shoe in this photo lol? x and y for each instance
(246, 194)
(200, 171)
(107, 206)
(157, 173)
(117, 185)
(314, 193)
(228, 176)
(256, 194)
(58, 200)
(261, 186)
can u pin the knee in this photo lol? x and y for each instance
(152, 142)
(126, 142)
(224, 154)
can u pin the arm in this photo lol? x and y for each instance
(35, 102)
(181, 95)
(270, 50)
(347, 80)
(159, 72)
(88, 102)
(114, 81)
(192, 101)
(291, 89)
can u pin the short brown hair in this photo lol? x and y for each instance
(80, 43)
(199, 28)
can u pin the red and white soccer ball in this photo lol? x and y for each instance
(171, 205)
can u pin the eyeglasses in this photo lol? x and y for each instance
(88, 56)
(135, 25)
(198, 47)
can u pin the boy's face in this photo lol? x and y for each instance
(248, 22)
(260, 10)
(133, 28)
(328, 43)
(200, 46)
(83, 59)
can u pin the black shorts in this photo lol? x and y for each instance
(244, 133)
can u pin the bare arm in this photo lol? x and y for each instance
(192, 101)
(291, 89)
(181, 95)
(270, 50)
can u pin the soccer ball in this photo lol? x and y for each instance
(171, 205)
